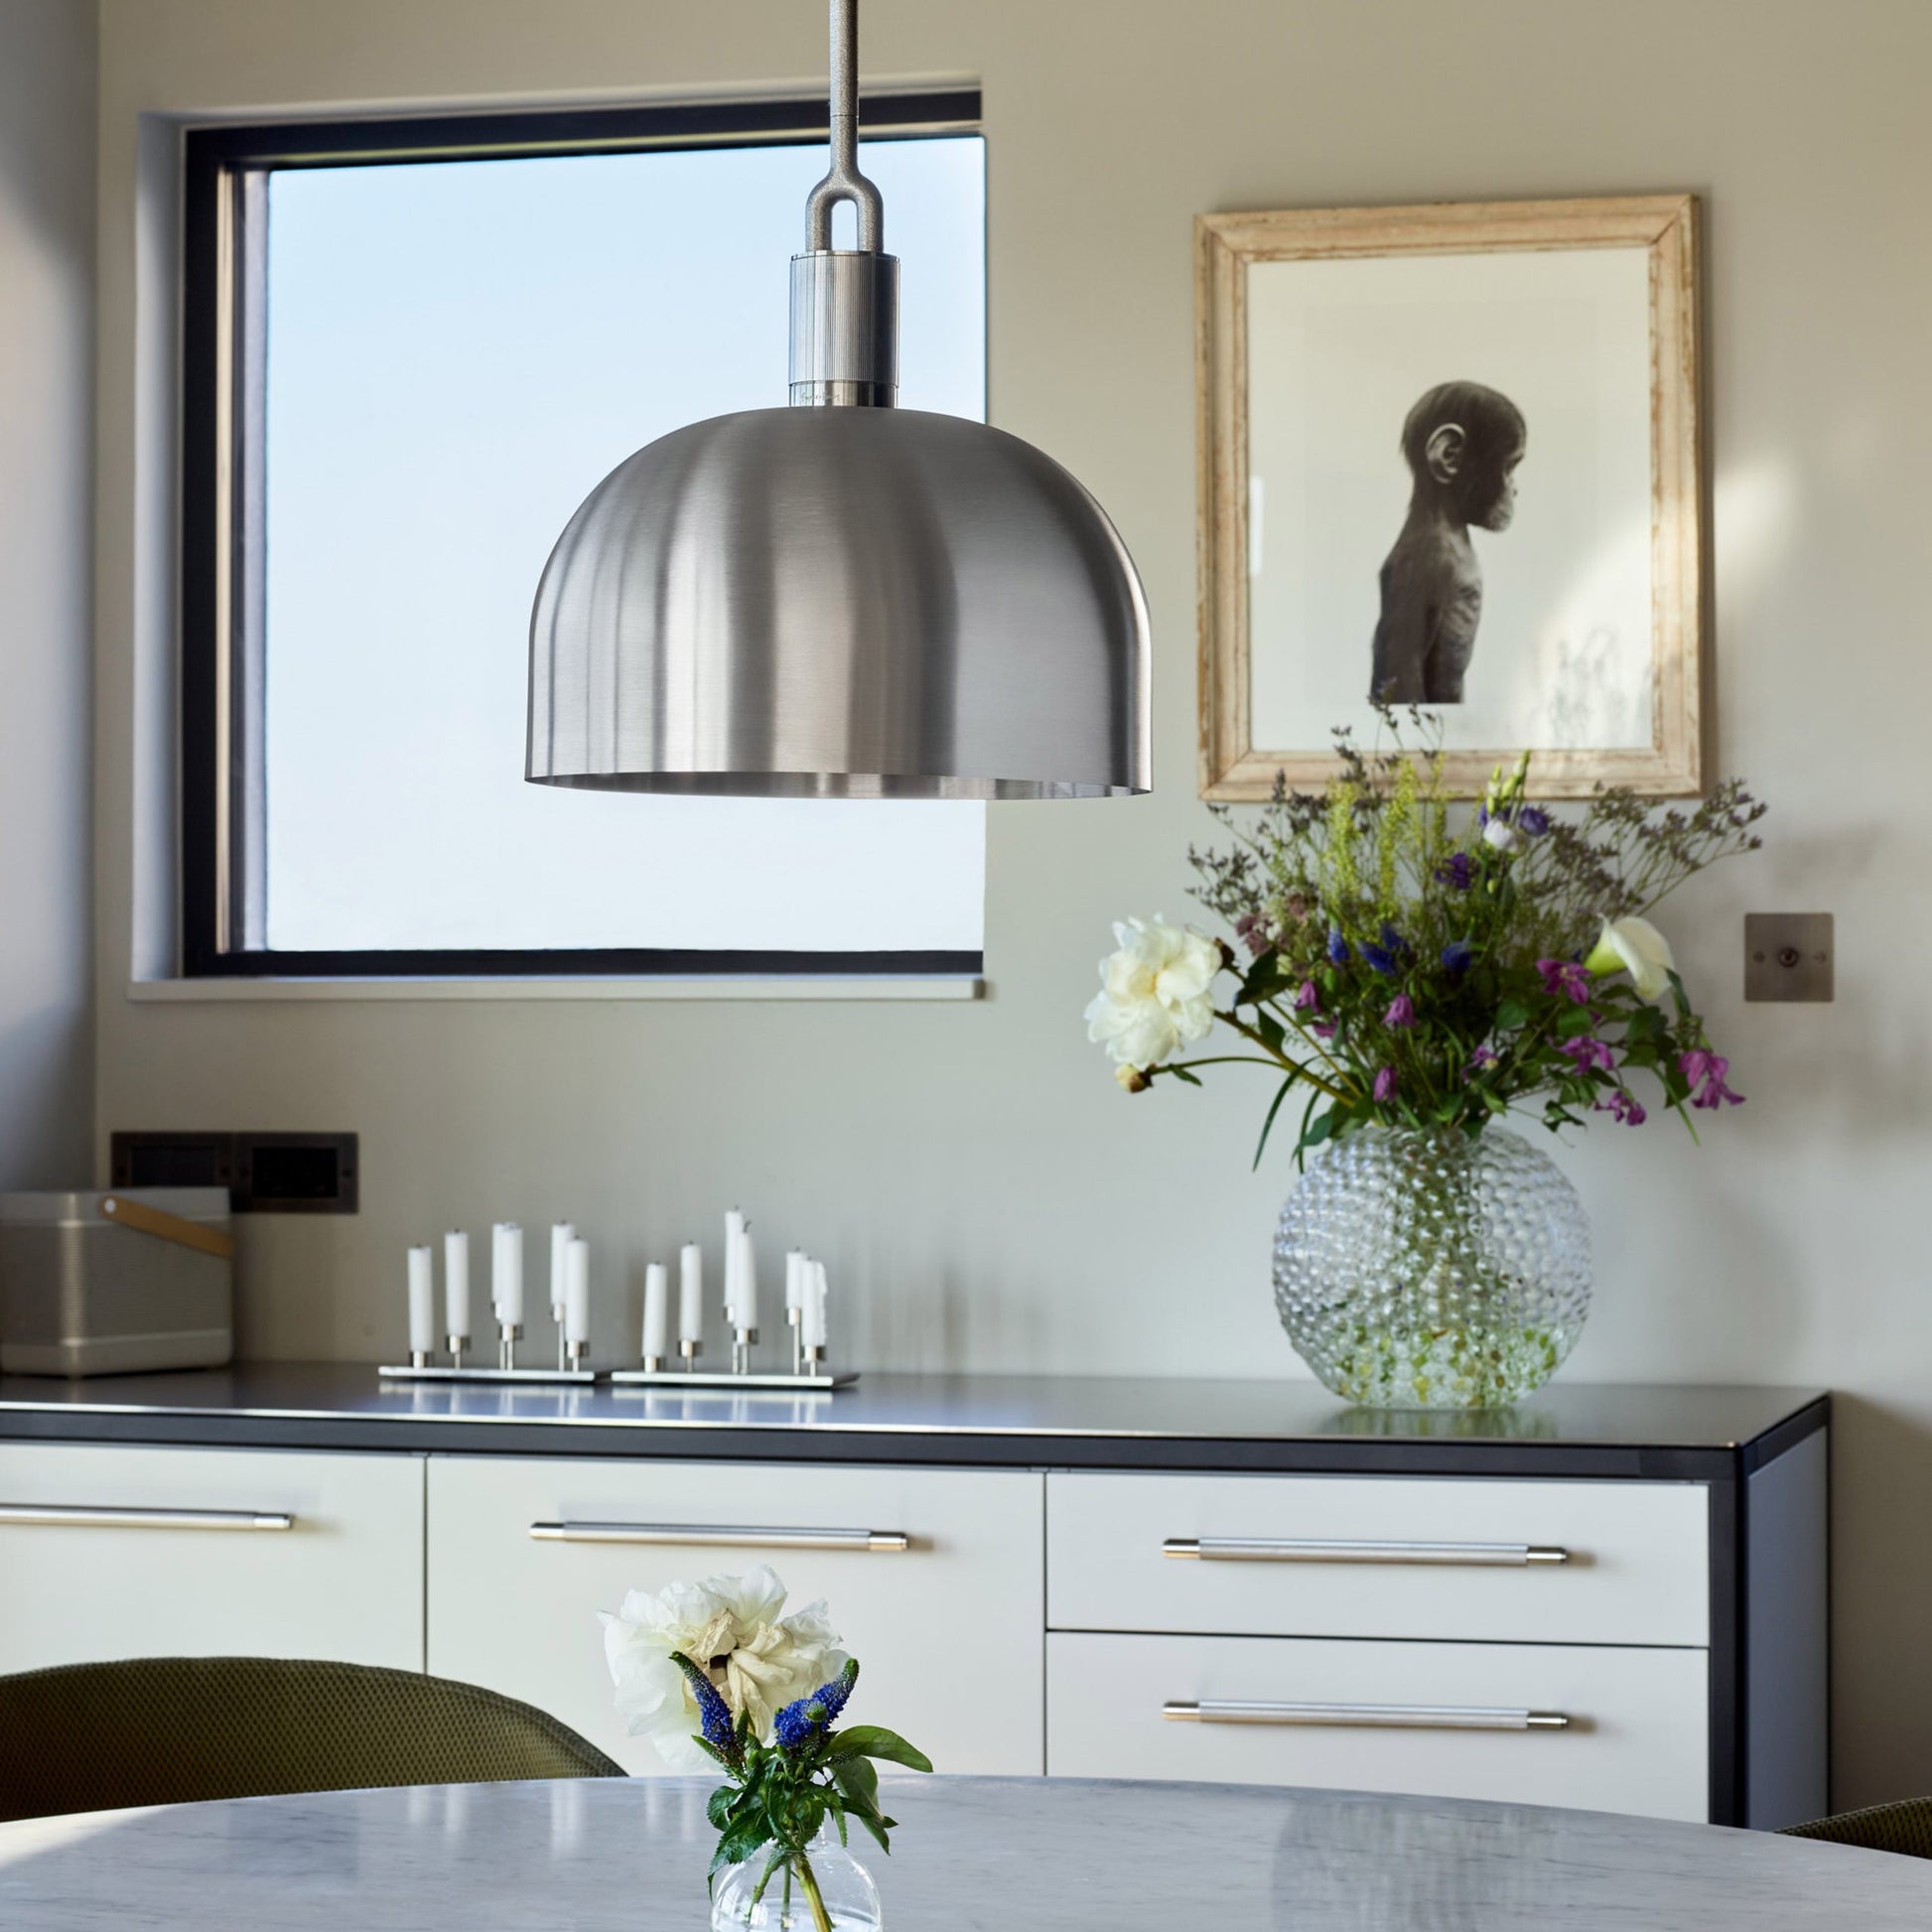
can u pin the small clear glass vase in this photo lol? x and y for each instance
(1433, 1271)
(822, 1889)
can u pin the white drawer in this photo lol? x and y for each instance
(1635, 1740)
(949, 1629)
(109, 1551)
(1352, 1556)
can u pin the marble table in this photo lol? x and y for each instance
(976, 1854)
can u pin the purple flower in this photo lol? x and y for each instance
(1624, 1107)
(1337, 948)
(1589, 1054)
(1460, 873)
(1252, 931)
(1534, 820)
(1308, 1000)
(1481, 1060)
(1401, 1013)
(1457, 956)
(1702, 1065)
(1385, 1084)
(1323, 1029)
(1564, 977)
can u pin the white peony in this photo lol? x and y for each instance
(731, 1627)
(1636, 947)
(1154, 995)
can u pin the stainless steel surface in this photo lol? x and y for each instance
(803, 1382)
(1302, 1549)
(894, 604)
(84, 1516)
(82, 1294)
(1023, 1855)
(458, 1372)
(1261, 1415)
(1376, 1716)
(712, 1535)
(844, 331)
(841, 600)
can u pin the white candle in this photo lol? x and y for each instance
(734, 1228)
(690, 1293)
(456, 1282)
(748, 1281)
(422, 1301)
(576, 1292)
(506, 1273)
(794, 1281)
(656, 1309)
(562, 1234)
(812, 1330)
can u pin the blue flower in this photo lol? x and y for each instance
(714, 1713)
(1392, 940)
(1532, 819)
(1381, 959)
(1337, 947)
(1460, 872)
(1457, 956)
(798, 1721)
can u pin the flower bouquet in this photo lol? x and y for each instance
(714, 1673)
(1412, 973)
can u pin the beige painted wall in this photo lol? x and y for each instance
(986, 1197)
(46, 246)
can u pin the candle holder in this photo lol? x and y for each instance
(571, 1368)
(809, 1374)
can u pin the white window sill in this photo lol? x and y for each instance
(799, 986)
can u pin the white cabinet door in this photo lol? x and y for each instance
(949, 1629)
(1503, 1561)
(1452, 1720)
(108, 1552)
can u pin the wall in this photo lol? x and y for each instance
(986, 1197)
(46, 246)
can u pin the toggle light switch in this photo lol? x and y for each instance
(1788, 956)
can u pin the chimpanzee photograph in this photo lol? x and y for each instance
(1462, 443)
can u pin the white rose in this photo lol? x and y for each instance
(731, 1627)
(1636, 947)
(1154, 995)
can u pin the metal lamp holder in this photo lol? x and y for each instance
(571, 1364)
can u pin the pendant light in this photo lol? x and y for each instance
(841, 599)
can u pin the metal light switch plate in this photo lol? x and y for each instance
(1788, 956)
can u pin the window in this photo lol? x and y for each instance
(411, 350)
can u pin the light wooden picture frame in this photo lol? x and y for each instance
(1580, 631)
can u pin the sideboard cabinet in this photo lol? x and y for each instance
(1614, 1599)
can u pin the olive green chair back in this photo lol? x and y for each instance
(170, 1730)
(1905, 1827)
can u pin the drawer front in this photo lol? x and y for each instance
(1448, 1720)
(1623, 1563)
(947, 1627)
(110, 1553)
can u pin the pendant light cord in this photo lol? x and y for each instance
(843, 181)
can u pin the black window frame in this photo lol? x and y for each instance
(224, 167)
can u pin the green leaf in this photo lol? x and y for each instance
(1258, 980)
(1511, 1014)
(1328, 1124)
(721, 1804)
(1270, 1031)
(1267, 1125)
(1573, 1023)
(873, 1741)
(1180, 1073)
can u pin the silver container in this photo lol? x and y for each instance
(115, 1281)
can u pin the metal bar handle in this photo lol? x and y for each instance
(877, 1541)
(157, 1222)
(1306, 1549)
(1377, 1716)
(86, 1516)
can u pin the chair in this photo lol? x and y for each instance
(1903, 1827)
(169, 1731)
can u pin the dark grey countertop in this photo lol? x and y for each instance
(1060, 1420)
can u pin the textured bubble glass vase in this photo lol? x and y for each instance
(822, 1889)
(1433, 1271)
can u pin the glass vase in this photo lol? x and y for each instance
(1433, 1271)
(822, 1889)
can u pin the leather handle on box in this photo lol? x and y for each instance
(157, 1222)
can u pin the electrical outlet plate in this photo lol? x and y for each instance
(264, 1174)
(1788, 956)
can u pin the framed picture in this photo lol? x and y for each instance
(1450, 458)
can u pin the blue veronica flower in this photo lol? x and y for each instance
(1337, 947)
(1392, 940)
(795, 1724)
(1380, 958)
(1457, 956)
(1534, 820)
(714, 1713)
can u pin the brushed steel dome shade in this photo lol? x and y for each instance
(840, 602)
